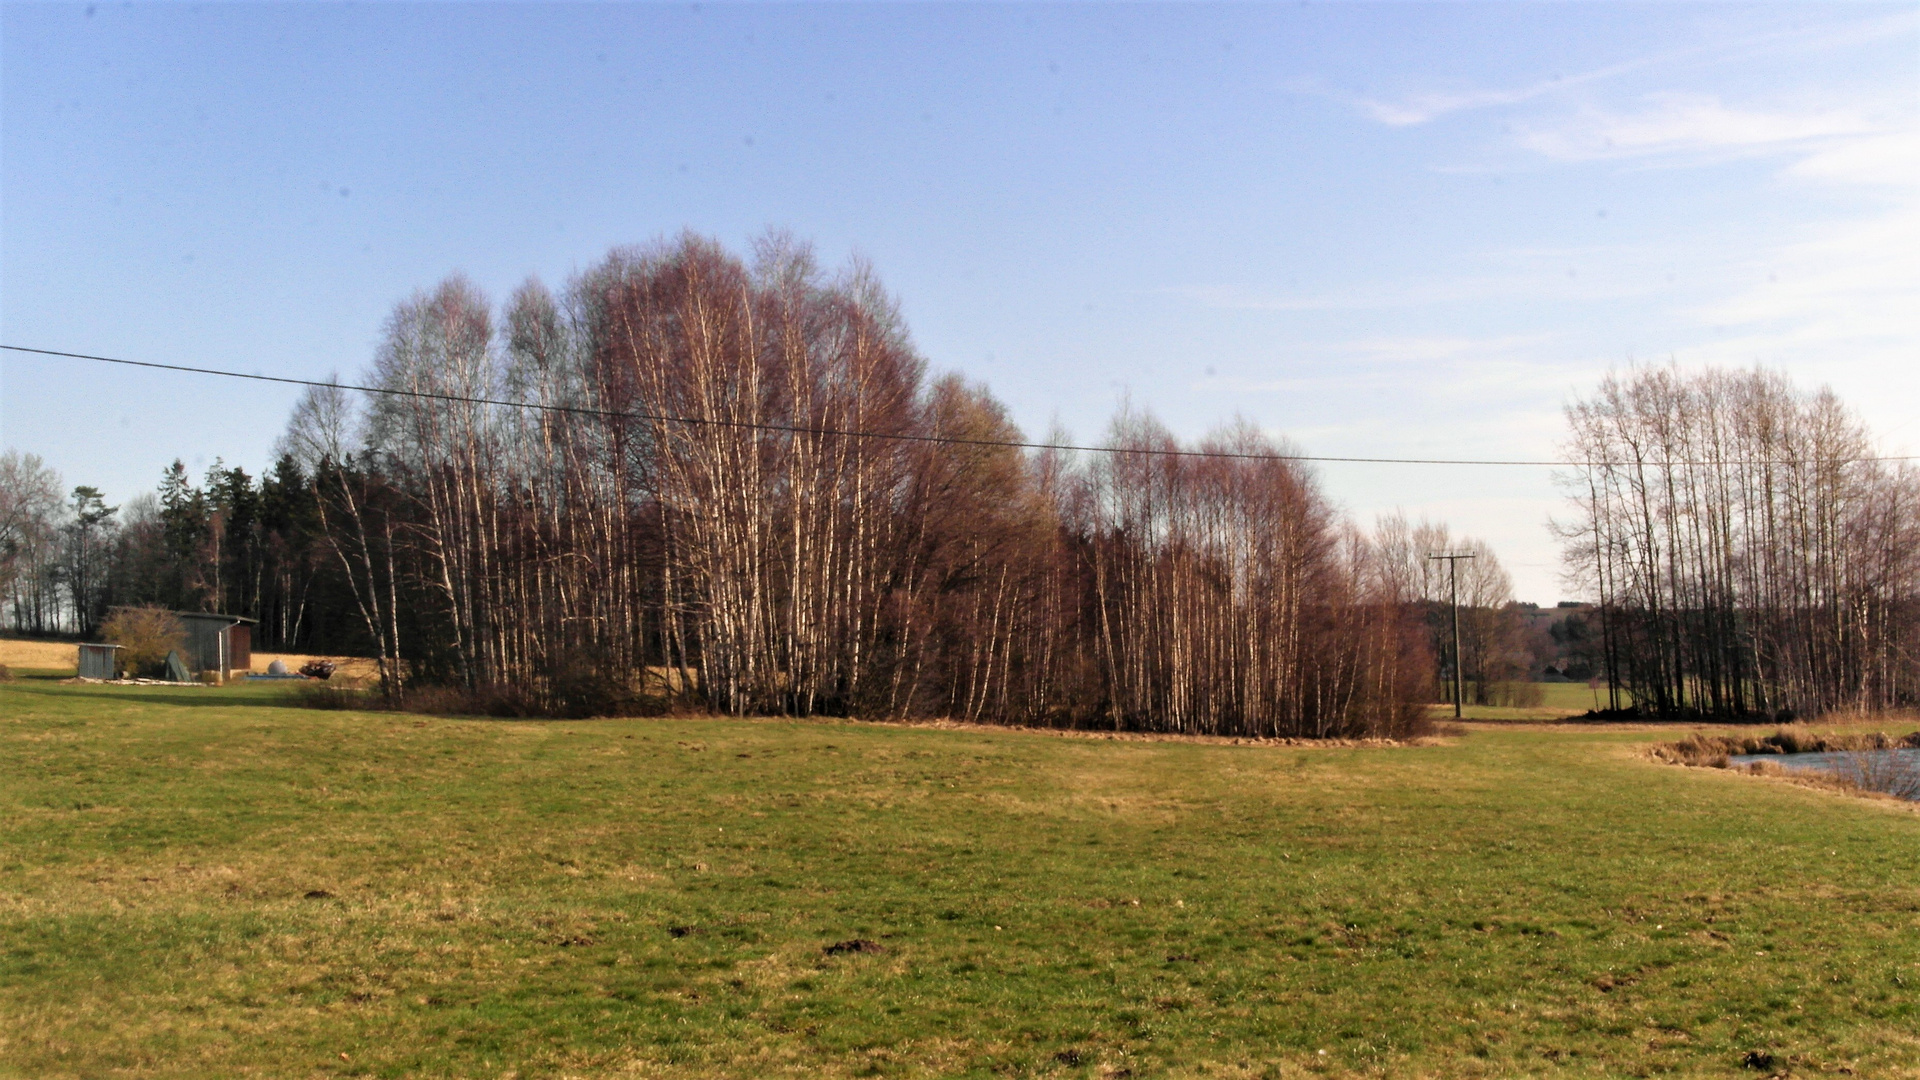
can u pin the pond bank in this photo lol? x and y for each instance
(1894, 771)
(1871, 761)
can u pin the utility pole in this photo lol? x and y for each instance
(1453, 600)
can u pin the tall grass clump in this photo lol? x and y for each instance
(1884, 773)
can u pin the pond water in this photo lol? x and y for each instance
(1896, 771)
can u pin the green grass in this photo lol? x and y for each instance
(1557, 701)
(652, 897)
(1572, 695)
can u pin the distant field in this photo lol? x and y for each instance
(61, 658)
(359, 670)
(1557, 701)
(1574, 695)
(204, 882)
(42, 656)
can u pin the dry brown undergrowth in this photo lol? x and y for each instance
(1704, 750)
(1440, 731)
(1712, 751)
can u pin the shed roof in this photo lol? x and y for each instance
(212, 615)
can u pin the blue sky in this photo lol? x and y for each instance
(1376, 229)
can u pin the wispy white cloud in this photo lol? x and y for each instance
(1860, 275)
(1689, 123)
(1885, 159)
(1831, 298)
(1836, 292)
(1425, 106)
(1839, 304)
(1838, 299)
(1433, 348)
(1429, 105)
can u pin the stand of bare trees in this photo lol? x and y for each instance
(30, 519)
(744, 491)
(1494, 656)
(1747, 554)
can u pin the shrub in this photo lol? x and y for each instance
(581, 690)
(574, 695)
(502, 702)
(315, 696)
(145, 636)
(6, 673)
(1884, 773)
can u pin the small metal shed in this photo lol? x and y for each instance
(222, 643)
(99, 661)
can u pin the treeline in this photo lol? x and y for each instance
(1747, 553)
(230, 543)
(741, 488)
(1499, 652)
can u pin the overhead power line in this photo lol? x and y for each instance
(794, 429)
(578, 410)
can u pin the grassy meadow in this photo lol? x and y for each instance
(1557, 701)
(208, 882)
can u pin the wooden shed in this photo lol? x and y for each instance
(99, 661)
(222, 643)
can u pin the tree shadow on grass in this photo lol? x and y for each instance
(199, 697)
